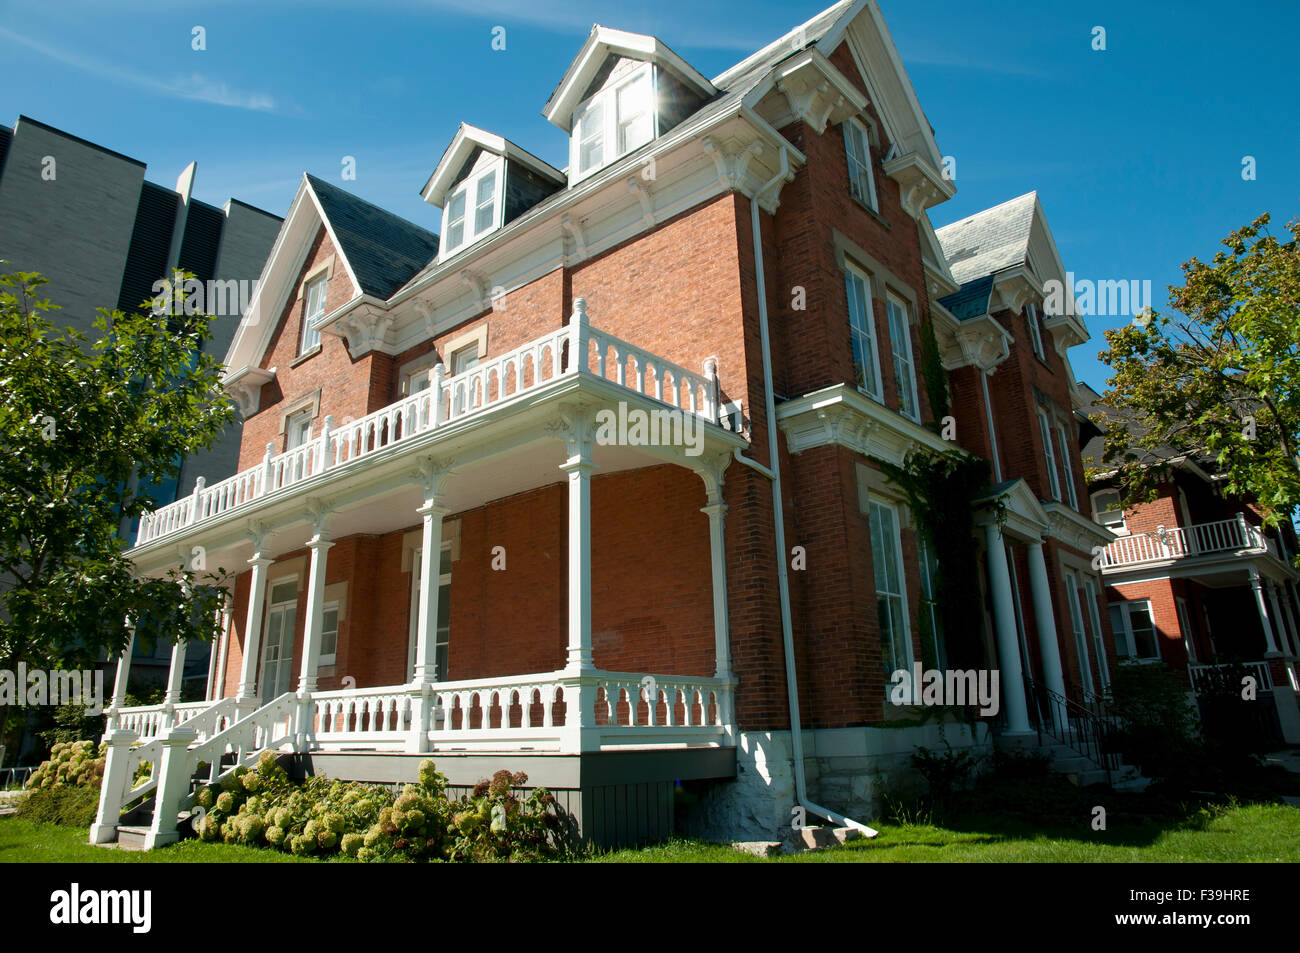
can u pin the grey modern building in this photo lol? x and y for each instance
(87, 219)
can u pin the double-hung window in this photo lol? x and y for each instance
(858, 151)
(1049, 455)
(1035, 329)
(1107, 511)
(1078, 629)
(1094, 623)
(329, 633)
(617, 120)
(313, 311)
(862, 332)
(298, 429)
(1069, 469)
(891, 594)
(900, 342)
(473, 209)
(1135, 630)
(933, 651)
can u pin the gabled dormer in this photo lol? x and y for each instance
(483, 183)
(622, 91)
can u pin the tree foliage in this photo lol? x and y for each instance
(1220, 377)
(83, 426)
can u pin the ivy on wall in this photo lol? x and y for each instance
(934, 376)
(942, 489)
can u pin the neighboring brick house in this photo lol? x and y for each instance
(1195, 581)
(452, 536)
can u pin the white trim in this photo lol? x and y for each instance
(467, 189)
(896, 542)
(906, 382)
(607, 100)
(868, 331)
(1125, 607)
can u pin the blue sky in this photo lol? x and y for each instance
(1136, 151)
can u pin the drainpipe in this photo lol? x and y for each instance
(773, 473)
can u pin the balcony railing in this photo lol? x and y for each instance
(449, 400)
(1207, 679)
(1178, 542)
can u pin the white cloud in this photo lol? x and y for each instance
(195, 87)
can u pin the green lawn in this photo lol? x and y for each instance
(1257, 832)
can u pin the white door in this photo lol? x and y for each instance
(277, 641)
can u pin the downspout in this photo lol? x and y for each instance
(773, 473)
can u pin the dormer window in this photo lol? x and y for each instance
(474, 207)
(617, 120)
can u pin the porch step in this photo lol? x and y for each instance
(132, 837)
(1083, 772)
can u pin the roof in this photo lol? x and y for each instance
(971, 300)
(989, 241)
(384, 249)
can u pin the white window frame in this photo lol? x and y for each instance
(897, 659)
(467, 189)
(860, 165)
(866, 333)
(927, 565)
(328, 658)
(1130, 643)
(309, 340)
(291, 428)
(1035, 329)
(900, 342)
(1097, 515)
(1049, 453)
(1185, 625)
(1091, 588)
(1068, 475)
(1077, 624)
(607, 101)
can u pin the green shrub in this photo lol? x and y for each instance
(65, 789)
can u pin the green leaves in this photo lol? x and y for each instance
(81, 424)
(1219, 378)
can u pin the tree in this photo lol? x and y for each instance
(78, 421)
(1220, 378)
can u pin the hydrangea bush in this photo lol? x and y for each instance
(369, 822)
(65, 789)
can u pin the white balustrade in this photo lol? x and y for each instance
(362, 715)
(1202, 676)
(1200, 539)
(448, 400)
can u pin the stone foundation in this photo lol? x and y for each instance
(847, 771)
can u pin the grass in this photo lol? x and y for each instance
(1250, 833)
(23, 842)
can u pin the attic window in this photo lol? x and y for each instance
(858, 148)
(473, 208)
(617, 120)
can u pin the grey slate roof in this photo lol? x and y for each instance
(988, 241)
(384, 249)
(971, 300)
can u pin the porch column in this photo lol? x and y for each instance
(120, 680)
(1290, 617)
(253, 625)
(578, 467)
(716, 511)
(319, 544)
(1048, 645)
(426, 638)
(218, 687)
(175, 674)
(1269, 641)
(1286, 632)
(1004, 621)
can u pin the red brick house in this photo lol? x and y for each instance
(1195, 581)
(583, 486)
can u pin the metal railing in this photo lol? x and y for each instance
(1073, 725)
(13, 779)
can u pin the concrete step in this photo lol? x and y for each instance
(132, 837)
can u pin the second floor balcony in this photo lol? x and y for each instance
(1165, 544)
(449, 409)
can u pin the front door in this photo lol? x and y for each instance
(277, 641)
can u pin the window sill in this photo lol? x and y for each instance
(872, 212)
(305, 356)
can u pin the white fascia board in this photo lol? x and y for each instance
(600, 43)
(612, 175)
(252, 336)
(338, 247)
(468, 138)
